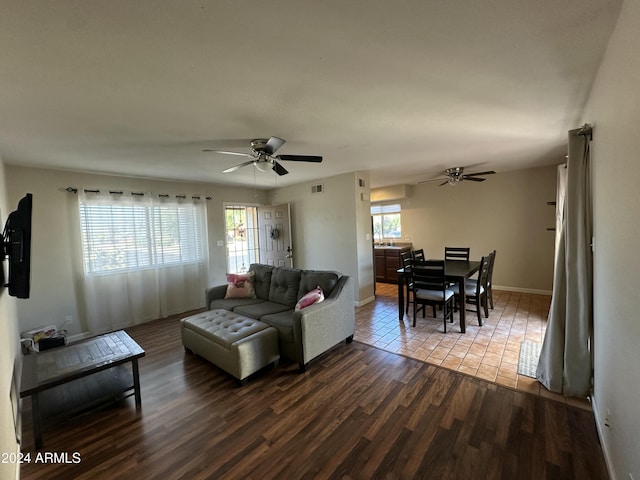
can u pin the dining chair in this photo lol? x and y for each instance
(473, 281)
(490, 279)
(457, 253)
(407, 260)
(476, 293)
(430, 288)
(418, 254)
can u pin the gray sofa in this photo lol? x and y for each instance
(304, 334)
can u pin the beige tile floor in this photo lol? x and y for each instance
(489, 352)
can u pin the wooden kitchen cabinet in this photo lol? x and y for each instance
(388, 261)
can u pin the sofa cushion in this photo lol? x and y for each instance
(262, 279)
(311, 279)
(231, 303)
(285, 283)
(283, 321)
(259, 310)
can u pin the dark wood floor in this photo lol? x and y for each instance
(358, 412)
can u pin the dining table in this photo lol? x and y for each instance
(458, 271)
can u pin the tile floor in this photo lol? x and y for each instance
(489, 352)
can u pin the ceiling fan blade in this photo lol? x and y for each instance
(431, 180)
(236, 167)
(489, 172)
(473, 179)
(228, 153)
(273, 144)
(300, 158)
(279, 169)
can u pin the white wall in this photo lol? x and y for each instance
(9, 348)
(364, 239)
(53, 292)
(508, 212)
(327, 227)
(614, 110)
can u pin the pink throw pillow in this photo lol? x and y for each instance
(314, 296)
(240, 285)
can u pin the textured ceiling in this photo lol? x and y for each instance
(401, 89)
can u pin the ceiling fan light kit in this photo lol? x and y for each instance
(262, 150)
(263, 165)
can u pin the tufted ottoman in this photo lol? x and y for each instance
(237, 344)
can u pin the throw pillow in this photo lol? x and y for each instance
(314, 296)
(240, 285)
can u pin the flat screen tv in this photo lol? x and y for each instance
(16, 244)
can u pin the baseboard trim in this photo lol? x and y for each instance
(601, 436)
(365, 301)
(522, 290)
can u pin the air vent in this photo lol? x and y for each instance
(317, 188)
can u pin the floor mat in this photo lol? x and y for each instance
(528, 361)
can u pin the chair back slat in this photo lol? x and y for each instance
(491, 262)
(418, 254)
(483, 274)
(406, 259)
(457, 253)
(428, 275)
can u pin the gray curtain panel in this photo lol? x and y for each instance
(565, 364)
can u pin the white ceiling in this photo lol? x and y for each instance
(403, 89)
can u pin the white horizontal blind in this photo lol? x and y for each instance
(125, 235)
(378, 209)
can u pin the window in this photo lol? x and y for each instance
(241, 225)
(126, 235)
(386, 221)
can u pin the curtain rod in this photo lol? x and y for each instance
(139, 194)
(586, 129)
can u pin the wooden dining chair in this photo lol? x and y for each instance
(457, 253)
(490, 279)
(418, 254)
(476, 293)
(473, 281)
(407, 260)
(430, 288)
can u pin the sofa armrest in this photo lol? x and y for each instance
(214, 293)
(321, 326)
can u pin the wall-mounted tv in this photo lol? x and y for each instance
(16, 246)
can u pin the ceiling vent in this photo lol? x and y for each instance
(317, 188)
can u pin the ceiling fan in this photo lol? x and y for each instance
(262, 157)
(453, 176)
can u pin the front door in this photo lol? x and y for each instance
(274, 226)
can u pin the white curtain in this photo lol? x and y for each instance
(116, 300)
(560, 196)
(565, 364)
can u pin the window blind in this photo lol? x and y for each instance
(127, 236)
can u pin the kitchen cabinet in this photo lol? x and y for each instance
(388, 261)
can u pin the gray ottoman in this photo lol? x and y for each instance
(237, 344)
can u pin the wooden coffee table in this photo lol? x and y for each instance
(80, 376)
